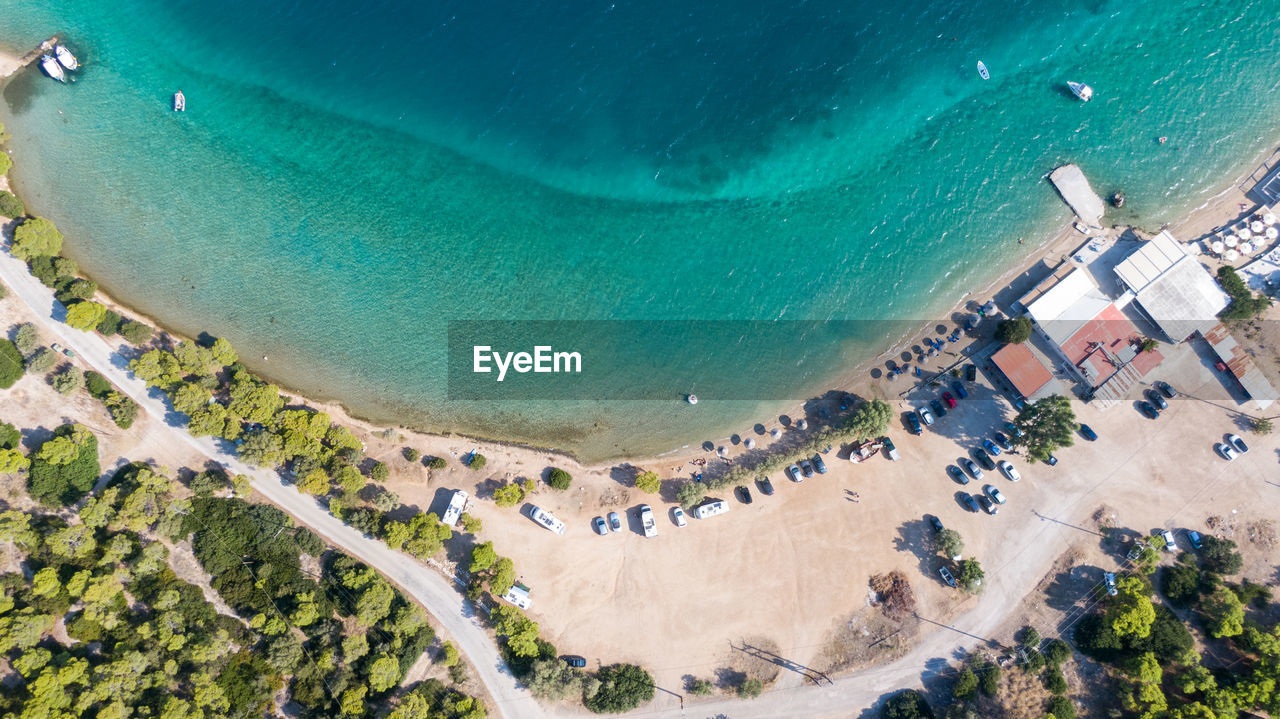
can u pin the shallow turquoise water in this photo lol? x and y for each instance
(346, 181)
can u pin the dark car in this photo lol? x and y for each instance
(984, 459)
(971, 372)
(1149, 410)
(744, 494)
(934, 522)
(971, 468)
(957, 474)
(970, 503)
(1087, 432)
(991, 448)
(949, 399)
(819, 465)
(1012, 429)
(938, 409)
(960, 391)
(574, 661)
(766, 487)
(1194, 538)
(1157, 399)
(913, 423)
(987, 505)
(1003, 441)
(1052, 461)
(1166, 390)
(806, 467)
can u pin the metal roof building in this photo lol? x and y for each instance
(1023, 370)
(1064, 302)
(1172, 287)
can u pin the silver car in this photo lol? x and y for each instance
(794, 471)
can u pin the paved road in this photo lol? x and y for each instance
(428, 587)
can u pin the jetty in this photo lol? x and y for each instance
(1075, 189)
(8, 69)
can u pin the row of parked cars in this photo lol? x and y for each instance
(1155, 401)
(806, 468)
(936, 409)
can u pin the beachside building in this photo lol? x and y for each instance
(1024, 373)
(1247, 375)
(1172, 288)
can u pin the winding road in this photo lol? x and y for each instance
(846, 697)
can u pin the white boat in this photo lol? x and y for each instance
(1081, 90)
(982, 71)
(52, 68)
(65, 58)
(179, 102)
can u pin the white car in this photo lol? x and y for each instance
(1235, 441)
(925, 416)
(1227, 451)
(677, 514)
(1009, 471)
(1169, 544)
(1110, 580)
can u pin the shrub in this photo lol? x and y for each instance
(948, 542)
(1180, 584)
(1014, 331)
(11, 365)
(471, 524)
(1219, 555)
(123, 410)
(379, 472)
(906, 704)
(42, 361)
(67, 381)
(559, 479)
(1030, 637)
(989, 679)
(477, 461)
(1260, 425)
(136, 332)
(1057, 651)
(36, 237)
(437, 463)
(690, 493)
(26, 338)
(85, 315)
(10, 437)
(209, 483)
(65, 467)
(970, 574)
(701, 687)
(508, 495)
(965, 686)
(411, 454)
(10, 206)
(97, 385)
(750, 689)
(5, 163)
(623, 687)
(110, 323)
(1061, 708)
(1244, 305)
(648, 482)
(1054, 681)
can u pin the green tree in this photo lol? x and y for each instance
(870, 419)
(157, 368)
(519, 631)
(11, 364)
(448, 655)
(1046, 425)
(691, 493)
(949, 543)
(478, 461)
(559, 479)
(1223, 613)
(966, 685)
(906, 704)
(1219, 555)
(85, 315)
(26, 338)
(190, 397)
(12, 461)
(701, 687)
(42, 361)
(622, 687)
(135, 332)
(68, 381)
(65, 467)
(483, 557)
(1260, 425)
(379, 472)
(36, 237)
(970, 575)
(648, 482)
(10, 206)
(437, 463)
(1244, 305)
(1130, 612)
(253, 400)
(750, 688)
(1181, 584)
(1014, 331)
(471, 524)
(261, 448)
(508, 495)
(315, 482)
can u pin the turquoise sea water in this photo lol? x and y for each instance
(349, 179)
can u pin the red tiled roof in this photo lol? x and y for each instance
(1111, 330)
(1022, 368)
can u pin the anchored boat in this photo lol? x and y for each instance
(1081, 90)
(52, 68)
(65, 58)
(982, 71)
(179, 102)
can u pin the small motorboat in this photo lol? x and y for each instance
(1081, 90)
(179, 102)
(691, 399)
(52, 68)
(65, 58)
(982, 71)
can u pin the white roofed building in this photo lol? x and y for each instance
(1172, 288)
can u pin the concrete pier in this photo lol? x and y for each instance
(8, 69)
(1075, 189)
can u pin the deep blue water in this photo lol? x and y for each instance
(349, 179)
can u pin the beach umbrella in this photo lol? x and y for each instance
(1272, 233)
(723, 451)
(1217, 247)
(802, 425)
(1269, 218)
(1246, 247)
(750, 443)
(775, 433)
(1231, 240)
(1256, 225)
(1231, 256)
(1245, 233)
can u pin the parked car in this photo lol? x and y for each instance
(938, 409)
(1227, 451)
(1194, 539)
(677, 514)
(993, 493)
(1166, 390)
(913, 423)
(971, 468)
(959, 389)
(984, 459)
(957, 474)
(1009, 471)
(890, 449)
(1052, 461)
(1235, 441)
(970, 503)
(1003, 441)
(991, 448)
(599, 525)
(925, 416)
(1148, 409)
(819, 465)
(971, 372)
(744, 494)
(574, 661)
(1110, 580)
(935, 522)
(794, 471)
(1157, 399)
(1012, 429)
(766, 487)
(806, 467)
(949, 399)
(1087, 432)
(615, 522)
(987, 505)
(946, 577)
(1169, 544)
